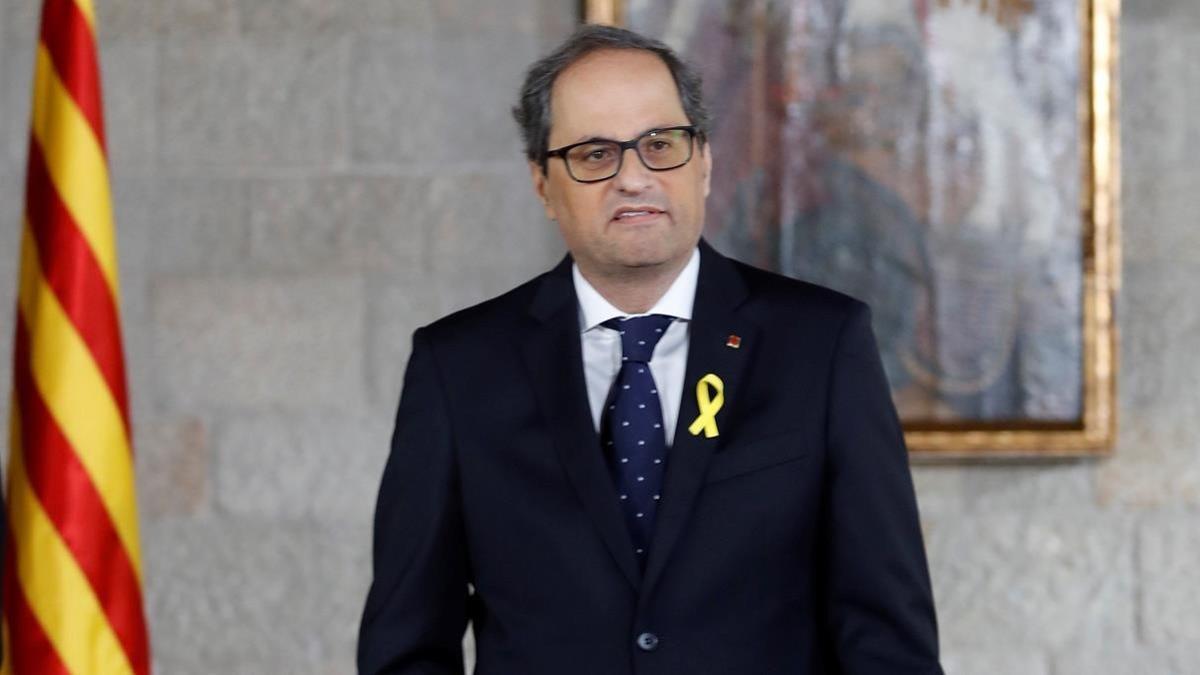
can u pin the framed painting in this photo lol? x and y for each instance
(951, 162)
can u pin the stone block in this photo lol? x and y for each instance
(199, 225)
(198, 17)
(414, 16)
(1125, 660)
(10, 244)
(119, 20)
(417, 101)
(395, 116)
(19, 20)
(133, 201)
(558, 20)
(274, 101)
(8, 285)
(174, 458)
(248, 344)
(939, 489)
(1179, 12)
(1041, 579)
(312, 17)
(12, 208)
(16, 77)
(1155, 464)
(955, 491)
(202, 85)
(1158, 322)
(377, 223)
(300, 224)
(296, 102)
(130, 104)
(474, 19)
(240, 597)
(1154, 230)
(312, 468)
(307, 17)
(132, 204)
(478, 78)
(1155, 461)
(1169, 576)
(396, 306)
(995, 661)
(1161, 174)
(494, 212)
(394, 217)
(1159, 88)
(1011, 489)
(1185, 659)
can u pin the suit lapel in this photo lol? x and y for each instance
(719, 291)
(554, 359)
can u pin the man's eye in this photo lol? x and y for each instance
(659, 145)
(594, 155)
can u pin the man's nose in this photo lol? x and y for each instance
(633, 177)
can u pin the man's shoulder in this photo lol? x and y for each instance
(774, 297)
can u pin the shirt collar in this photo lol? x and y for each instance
(594, 309)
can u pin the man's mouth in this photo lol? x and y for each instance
(635, 213)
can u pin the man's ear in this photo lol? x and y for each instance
(706, 152)
(540, 186)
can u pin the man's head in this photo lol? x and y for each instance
(613, 84)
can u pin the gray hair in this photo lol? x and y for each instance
(532, 111)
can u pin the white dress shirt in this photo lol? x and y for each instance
(602, 346)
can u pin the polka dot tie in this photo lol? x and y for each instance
(633, 436)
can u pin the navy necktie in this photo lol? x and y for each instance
(633, 429)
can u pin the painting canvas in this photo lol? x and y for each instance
(938, 160)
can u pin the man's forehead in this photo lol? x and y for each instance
(613, 93)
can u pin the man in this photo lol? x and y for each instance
(651, 459)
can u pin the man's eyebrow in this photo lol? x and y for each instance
(597, 137)
(588, 139)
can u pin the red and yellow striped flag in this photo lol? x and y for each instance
(72, 568)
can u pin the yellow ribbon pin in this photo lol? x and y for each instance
(706, 421)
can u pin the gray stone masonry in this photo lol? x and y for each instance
(299, 184)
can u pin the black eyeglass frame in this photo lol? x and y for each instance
(693, 133)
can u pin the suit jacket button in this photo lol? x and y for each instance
(648, 642)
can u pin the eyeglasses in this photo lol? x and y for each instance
(600, 159)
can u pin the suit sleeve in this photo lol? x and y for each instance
(880, 610)
(416, 610)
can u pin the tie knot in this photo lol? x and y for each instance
(639, 334)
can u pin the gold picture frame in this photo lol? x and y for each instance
(1094, 432)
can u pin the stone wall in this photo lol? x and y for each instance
(299, 184)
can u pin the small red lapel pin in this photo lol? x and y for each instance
(733, 342)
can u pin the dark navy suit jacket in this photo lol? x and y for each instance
(787, 544)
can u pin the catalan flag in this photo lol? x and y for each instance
(72, 594)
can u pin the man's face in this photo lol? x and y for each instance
(619, 95)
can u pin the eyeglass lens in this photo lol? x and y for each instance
(658, 150)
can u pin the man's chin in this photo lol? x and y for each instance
(646, 263)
